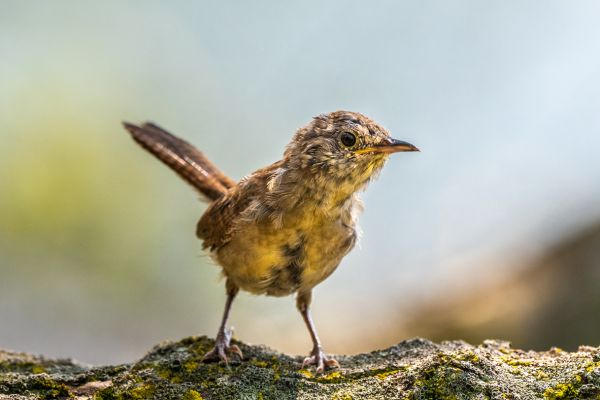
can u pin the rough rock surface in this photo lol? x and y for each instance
(413, 369)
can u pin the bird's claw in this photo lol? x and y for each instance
(234, 349)
(222, 347)
(318, 358)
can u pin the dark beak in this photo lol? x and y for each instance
(394, 146)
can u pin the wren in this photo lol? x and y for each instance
(286, 227)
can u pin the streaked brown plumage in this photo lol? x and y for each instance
(286, 227)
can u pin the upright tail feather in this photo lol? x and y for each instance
(183, 158)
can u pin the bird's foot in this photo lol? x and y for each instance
(319, 359)
(222, 347)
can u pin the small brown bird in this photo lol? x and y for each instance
(286, 227)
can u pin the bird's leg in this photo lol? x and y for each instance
(222, 346)
(317, 356)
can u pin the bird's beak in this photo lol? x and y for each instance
(390, 145)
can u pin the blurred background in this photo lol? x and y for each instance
(492, 231)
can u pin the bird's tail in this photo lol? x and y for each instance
(183, 158)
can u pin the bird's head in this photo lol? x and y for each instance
(345, 147)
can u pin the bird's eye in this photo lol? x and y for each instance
(348, 139)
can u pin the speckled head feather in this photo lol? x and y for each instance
(341, 149)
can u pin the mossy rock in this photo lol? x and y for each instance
(415, 369)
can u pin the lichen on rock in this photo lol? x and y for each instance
(415, 369)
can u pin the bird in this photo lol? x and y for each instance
(286, 227)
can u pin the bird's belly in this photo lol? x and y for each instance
(263, 259)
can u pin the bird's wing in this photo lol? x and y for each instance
(217, 224)
(183, 158)
(222, 218)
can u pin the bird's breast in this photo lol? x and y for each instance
(281, 258)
